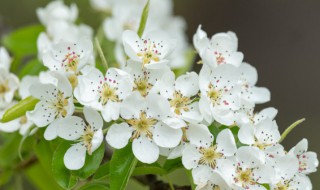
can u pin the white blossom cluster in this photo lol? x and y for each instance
(143, 102)
(160, 18)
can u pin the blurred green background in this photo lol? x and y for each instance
(281, 38)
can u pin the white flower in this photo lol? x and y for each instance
(181, 94)
(104, 93)
(55, 11)
(56, 101)
(151, 51)
(207, 154)
(286, 167)
(143, 80)
(143, 127)
(69, 57)
(219, 93)
(5, 60)
(61, 31)
(88, 136)
(220, 49)
(9, 83)
(263, 135)
(23, 124)
(248, 117)
(250, 170)
(308, 161)
(297, 182)
(207, 179)
(249, 92)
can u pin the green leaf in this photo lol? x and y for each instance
(189, 174)
(62, 175)
(122, 165)
(32, 67)
(24, 40)
(103, 171)
(171, 165)
(144, 18)
(95, 186)
(92, 163)
(44, 154)
(146, 169)
(19, 109)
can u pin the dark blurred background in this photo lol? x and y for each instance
(281, 38)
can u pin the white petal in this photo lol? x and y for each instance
(75, 157)
(42, 114)
(166, 136)
(10, 126)
(267, 132)
(204, 107)
(286, 166)
(129, 39)
(199, 135)
(132, 105)
(25, 84)
(93, 118)
(188, 84)
(249, 73)
(159, 107)
(250, 157)
(226, 143)
(51, 131)
(174, 123)
(246, 134)
(118, 135)
(111, 111)
(190, 157)
(96, 140)
(70, 128)
(145, 150)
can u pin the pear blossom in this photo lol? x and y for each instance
(207, 179)
(5, 60)
(263, 135)
(308, 161)
(9, 83)
(250, 170)
(249, 117)
(87, 135)
(249, 92)
(57, 10)
(207, 154)
(219, 97)
(297, 182)
(69, 57)
(143, 80)
(181, 94)
(104, 93)
(56, 101)
(220, 49)
(143, 127)
(151, 51)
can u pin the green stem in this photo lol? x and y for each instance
(290, 128)
(189, 174)
(169, 182)
(78, 109)
(100, 52)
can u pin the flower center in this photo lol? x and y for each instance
(108, 93)
(261, 145)
(143, 86)
(244, 177)
(149, 53)
(219, 58)
(4, 88)
(214, 95)
(142, 125)
(87, 137)
(210, 156)
(71, 61)
(23, 120)
(61, 104)
(281, 186)
(179, 103)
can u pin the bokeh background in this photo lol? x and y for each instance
(281, 38)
